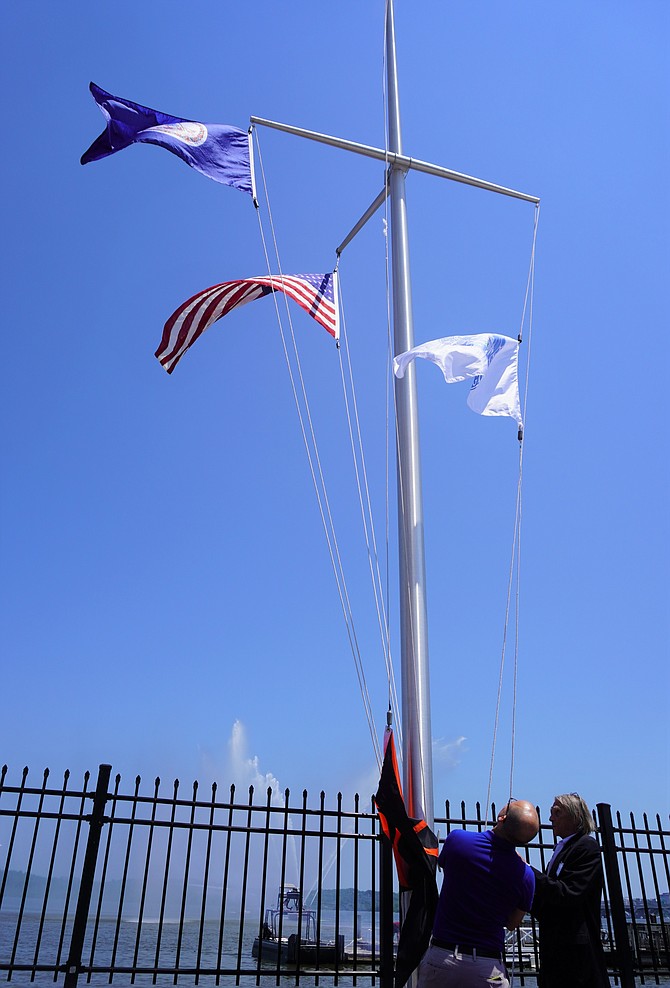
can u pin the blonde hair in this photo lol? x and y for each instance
(578, 811)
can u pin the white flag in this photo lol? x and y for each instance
(491, 360)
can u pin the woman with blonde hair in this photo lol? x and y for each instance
(567, 901)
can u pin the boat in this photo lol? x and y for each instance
(367, 948)
(289, 934)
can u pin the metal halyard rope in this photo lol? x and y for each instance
(515, 562)
(318, 478)
(358, 453)
(389, 351)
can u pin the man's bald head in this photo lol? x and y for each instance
(518, 822)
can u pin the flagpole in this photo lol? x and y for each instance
(417, 737)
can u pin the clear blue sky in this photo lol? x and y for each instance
(167, 599)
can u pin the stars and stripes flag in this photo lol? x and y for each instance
(316, 293)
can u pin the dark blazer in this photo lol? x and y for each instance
(567, 908)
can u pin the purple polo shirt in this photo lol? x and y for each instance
(485, 880)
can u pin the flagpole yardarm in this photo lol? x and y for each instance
(394, 159)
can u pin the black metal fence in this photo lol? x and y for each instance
(99, 886)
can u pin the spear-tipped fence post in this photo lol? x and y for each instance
(96, 820)
(624, 954)
(386, 969)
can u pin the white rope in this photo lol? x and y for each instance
(504, 642)
(515, 562)
(318, 479)
(528, 305)
(389, 358)
(358, 455)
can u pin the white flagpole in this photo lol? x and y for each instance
(417, 738)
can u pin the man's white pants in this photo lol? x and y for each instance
(442, 968)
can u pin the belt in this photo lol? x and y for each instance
(460, 949)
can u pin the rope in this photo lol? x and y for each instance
(515, 562)
(390, 398)
(389, 358)
(357, 450)
(318, 479)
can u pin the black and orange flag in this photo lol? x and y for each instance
(415, 850)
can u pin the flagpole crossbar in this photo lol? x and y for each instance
(400, 161)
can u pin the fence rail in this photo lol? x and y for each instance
(101, 885)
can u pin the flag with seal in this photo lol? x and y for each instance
(492, 360)
(216, 150)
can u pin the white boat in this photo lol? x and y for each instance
(366, 947)
(290, 934)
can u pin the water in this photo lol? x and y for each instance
(137, 945)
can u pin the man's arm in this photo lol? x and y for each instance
(515, 919)
(582, 868)
(524, 901)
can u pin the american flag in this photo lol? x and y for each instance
(316, 293)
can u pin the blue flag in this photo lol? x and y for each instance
(218, 151)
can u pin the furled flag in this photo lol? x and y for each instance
(415, 849)
(491, 360)
(218, 151)
(316, 293)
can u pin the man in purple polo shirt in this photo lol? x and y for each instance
(487, 886)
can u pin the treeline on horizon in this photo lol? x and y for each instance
(349, 899)
(353, 900)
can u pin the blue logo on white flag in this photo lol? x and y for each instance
(493, 346)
